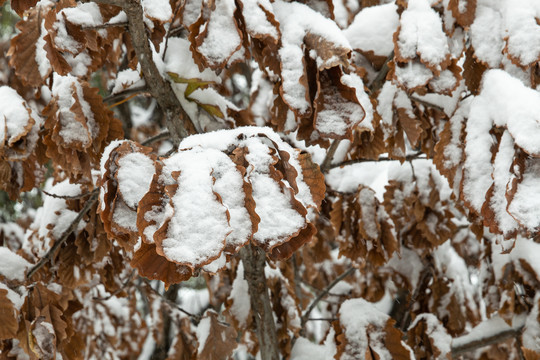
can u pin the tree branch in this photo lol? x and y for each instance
(325, 292)
(176, 117)
(477, 343)
(254, 261)
(66, 234)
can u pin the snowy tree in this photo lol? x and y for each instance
(274, 179)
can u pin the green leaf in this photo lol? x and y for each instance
(192, 84)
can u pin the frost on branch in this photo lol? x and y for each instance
(217, 193)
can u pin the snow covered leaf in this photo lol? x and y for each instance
(19, 126)
(363, 228)
(422, 53)
(336, 116)
(126, 172)
(216, 340)
(500, 151)
(215, 36)
(8, 316)
(463, 11)
(372, 31)
(522, 33)
(363, 332)
(78, 126)
(429, 339)
(20, 169)
(217, 193)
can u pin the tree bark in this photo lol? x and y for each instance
(254, 261)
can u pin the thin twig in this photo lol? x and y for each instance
(161, 136)
(66, 234)
(197, 318)
(327, 162)
(126, 93)
(105, 26)
(67, 197)
(325, 292)
(169, 30)
(410, 157)
(119, 290)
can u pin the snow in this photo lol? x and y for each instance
(67, 90)
(373, 28)
(55, 213)
(360, 321)
(86, 14)
(421, 34)
(304, 349)
(354, 81)
(436, 331)
(12, 266)
(222, 38)
(241, 306)
(296, 21)
(525, 249)
(255, 17)
(44, 65)
(126, 79)
(501, 174)
(523, 32)
(134, 176)
(531, 332)
(511, 103)
(486, 33)
(157, 9)
(478, 144)
(198, 228)
(486, 329)
(179, 60)
(453, 151)
(16, 117)
(16, 299)
(202, 332)
(413, 74)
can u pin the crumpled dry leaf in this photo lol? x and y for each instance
(220, 339)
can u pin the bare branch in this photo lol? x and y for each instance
(105, 26)
(327, 162)
(68, 197)
(126, 93)
(162, 136)
(176, 117)
(325, 292)
(65, 235)
(254, 261)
